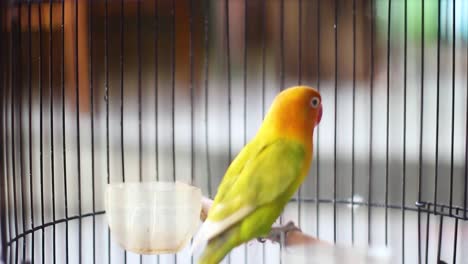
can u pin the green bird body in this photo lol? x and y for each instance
(263, 177)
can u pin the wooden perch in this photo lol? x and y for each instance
(294, 237)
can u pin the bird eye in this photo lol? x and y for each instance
(315, 102)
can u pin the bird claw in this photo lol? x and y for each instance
(277, 233)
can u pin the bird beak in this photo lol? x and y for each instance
(319, 117)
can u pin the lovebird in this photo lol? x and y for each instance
(264, 175)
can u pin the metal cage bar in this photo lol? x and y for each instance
(64, 130)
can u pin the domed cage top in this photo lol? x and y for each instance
(99, 92)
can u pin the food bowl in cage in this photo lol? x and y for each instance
(152, 217)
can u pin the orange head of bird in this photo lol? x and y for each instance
(295, 113)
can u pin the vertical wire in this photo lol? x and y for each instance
(7, 154)
(439, 243)
(465, 203)
(317, 156)
(192, 161)
(299, 82)
(245, 70)
(3, 238)
(335, 27)
(388, 121)
(192, 154)
(10, 145)
(263, 56)
(228, 68)
(8, 132)
(281, 50)
(228, 51)
(353, 123)
(31, 189)
(122, 147)
(281, 86)
(173, 69)
(453, 111)
(3, 151)
(140, 165)
(156, 93)
(51, 117)
(263, 84)
(14, 76)
(13, 152)
(64, 152)
(140, 135)
(18, 90)
(106, 97)
(421, 126)
(299, 49)
(245, 92)
(206, 66)
(3, 155)
(78, 141)
(427, 235)
(41, 140)
(371, 130)
(8, 89)
(192, 123)
(20, 103)
(455, 241)
(403, 185)
(282, 78)
(436, 178)
(91, 99)
(156, 17)
(5, 95)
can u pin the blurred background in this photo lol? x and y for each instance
(106, 91)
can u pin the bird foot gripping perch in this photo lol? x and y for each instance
(278, 233)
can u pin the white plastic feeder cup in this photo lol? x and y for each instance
(153, 217)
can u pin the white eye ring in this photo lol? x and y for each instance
(315, 102)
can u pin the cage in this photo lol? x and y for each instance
(107, 91)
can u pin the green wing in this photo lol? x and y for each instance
(253, 192)
(259, 178)
(234, 170)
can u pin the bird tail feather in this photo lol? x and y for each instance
(217, 248)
